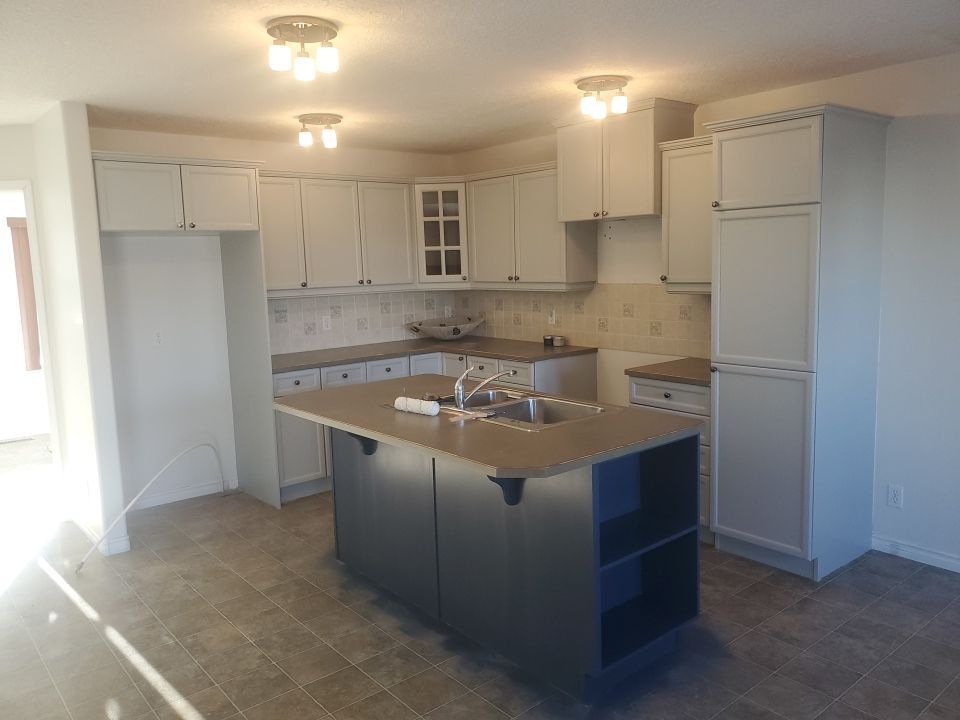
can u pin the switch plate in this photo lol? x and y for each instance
(895, 496)
(325, 322)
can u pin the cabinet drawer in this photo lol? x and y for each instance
(294, 382)
(454, 364)
(391, 367)
(524, 370)
(705, 432)
(705, 460)
(343, 375)
(482, 367)
(671, 396)
(426, 364)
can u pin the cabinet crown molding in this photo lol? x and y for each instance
(697, 141)
(168, 160)
(794, 114)
(635, 106)
(488, 174)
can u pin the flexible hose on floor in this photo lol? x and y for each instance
(123, 513)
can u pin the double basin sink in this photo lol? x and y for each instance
(529, 413)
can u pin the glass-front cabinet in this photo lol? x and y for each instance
(442, 232)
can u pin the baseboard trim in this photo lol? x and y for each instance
(296, 491)
(168, 496)
(115, 546)
(924, 555)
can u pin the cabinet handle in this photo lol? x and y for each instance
(389, 369)
(345, 376)
(360, 282)
(369, 281)
(510, 278)
(460, 358)
(516, 278)
(663, 278)
(479, 367)
(180, 225)
(463, 277)
(596, 214)
(193, 225)
(668, 395)
(715, 203)
(296, 382)
(303, 284)
(604, 213)
(713, 368)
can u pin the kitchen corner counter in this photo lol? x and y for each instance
(690, 371)
(503, 452)
(518, 350)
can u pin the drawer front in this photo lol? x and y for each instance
(293, 382)
(705, 500)
(670, 396)
(705, 419)
(454, 364)
(426, 364)
(524, 370)
(705, 460)
(482, 367)
(384, 369)
(336, 375)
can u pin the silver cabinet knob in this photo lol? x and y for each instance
(668, 395)
(460, 358)
(479, 367)
(596, 214)
(510, 277)
(516, 279)
(360, 282)
(303, 284)
(389, 369)
(180, 225)
(296, 382)
(345, 376)
(193, 225)
(715, 203)
(713, 368)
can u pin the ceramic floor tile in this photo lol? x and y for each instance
(292, 705)
(428, 690)
(381, 706)
(257, 686)
(341, 689)
(313, 664)
(883, 701)
(394, 665)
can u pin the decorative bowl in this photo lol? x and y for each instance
(446, 328)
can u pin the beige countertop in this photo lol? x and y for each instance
(499, 451)
(521, 350)
(691, 371)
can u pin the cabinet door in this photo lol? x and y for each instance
(138, 196)
(764, 165)
(765, 287)
(331, 233)
(427, 364)
(281, 230)
(686, 223)
(629, 153)
(301, 452)
(454, 365)
(540, 238)
(580, 171)
(442, 232)
(385, 232)
(220, 198)
(492, 229)
(762, 450)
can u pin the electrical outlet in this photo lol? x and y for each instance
(325, 322)
(552, 317)
(157, 338)
(447, 311)
(895, 496)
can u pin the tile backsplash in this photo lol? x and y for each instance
(643, 318)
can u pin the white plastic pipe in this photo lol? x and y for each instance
(146, 487)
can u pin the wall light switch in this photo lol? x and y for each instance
(447, 311)
(325, 322)
(157, 338)
(552, 317)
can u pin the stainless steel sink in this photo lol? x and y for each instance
(485, 398)
(537, 413)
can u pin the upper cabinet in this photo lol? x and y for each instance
(441, 233)
(331, 232)
(517, 241)
(385, 233)
(611, 168)
(281, 230)
(166, 197)
(778, 163)
(686, 226)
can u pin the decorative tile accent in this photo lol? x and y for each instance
(362, 323)
(310, 328)
(535, 305)
(517, 319)
(627, 310)
(429, 304)
(603, 324)
(336, 311)
(385, 308)
(578, 308)
(686, 312)
(498, 304)
(656, 329)
(280, 315)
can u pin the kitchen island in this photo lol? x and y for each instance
(566, 541)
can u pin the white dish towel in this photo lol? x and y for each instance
(413, 405)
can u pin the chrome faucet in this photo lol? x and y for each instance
(459, 395)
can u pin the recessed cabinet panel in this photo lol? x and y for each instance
(385, 230)
(762, 456)
(765, 287)
(580, 171)
(300, 449)
(454, 365)
(629, 152)
(492, 229)
(687, 219)
(282, 233)
(138, 196)
(219, 198)
(331, 229)
(774, 164)
(541, 254)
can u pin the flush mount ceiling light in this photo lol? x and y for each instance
(328, 136)
(303, 30)
(592, 104)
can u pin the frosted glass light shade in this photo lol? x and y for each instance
(587, 101)
(303, 67)
(305, 138)
(599, 111)
(328, 58)
(281, 57)
(329, 137)
(618, 103)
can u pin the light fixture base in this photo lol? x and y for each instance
(302, 28)
(319, 119)
(602, 83)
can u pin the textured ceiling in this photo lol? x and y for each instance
(435, 75)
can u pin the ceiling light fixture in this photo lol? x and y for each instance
(303, 30)
(592, 104)
(328, 136)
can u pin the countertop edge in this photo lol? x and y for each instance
(682, 372)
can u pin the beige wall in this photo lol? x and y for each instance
(509, 155)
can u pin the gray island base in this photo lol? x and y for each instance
(581, 571)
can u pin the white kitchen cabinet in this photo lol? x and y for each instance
(686, 226)
(482, 367)
(492, 229)
(611, 168)
(763, 432)
(385, 233)
(429, 364)
(347, 374)
(281, 231)
(219, 198)
(138, 196)
(454, 364)
(387, 368)
(442, 233)
(765, 287)
(775, 163)
(301, 448)
(331, 232)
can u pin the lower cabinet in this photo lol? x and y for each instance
(430, 364)
(301, 448)
(454, 365)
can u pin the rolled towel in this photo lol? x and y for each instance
(413, 405)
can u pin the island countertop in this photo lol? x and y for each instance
(503, 452)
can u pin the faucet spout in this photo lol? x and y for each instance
(461, 397)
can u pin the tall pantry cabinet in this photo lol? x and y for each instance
(797, 232)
